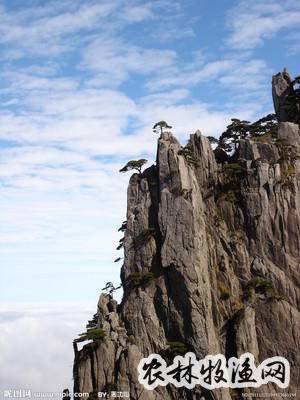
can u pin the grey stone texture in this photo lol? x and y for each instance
(223, 252)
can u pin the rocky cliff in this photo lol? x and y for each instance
(212, 257)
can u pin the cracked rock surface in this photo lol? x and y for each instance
(215, 257)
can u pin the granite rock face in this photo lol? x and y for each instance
(281, 88)
(212, 258)
(286, 97)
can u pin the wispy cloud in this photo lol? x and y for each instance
(114, 60)
(50, 25)
(231, 77)
(190, 74)
(251, 23)
(20, 82)
(293, 43)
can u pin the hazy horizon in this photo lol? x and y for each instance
(82, 84)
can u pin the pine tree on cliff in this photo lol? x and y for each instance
(160, 126)
(264, 125)
(134, 165)
(234, 132)
(237, 130)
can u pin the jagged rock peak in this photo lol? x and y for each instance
(286, 97)
(211, 261)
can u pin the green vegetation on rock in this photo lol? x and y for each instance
(224, 291)
(95, 334)
(177, 347)
(140, 279)
(188, 153)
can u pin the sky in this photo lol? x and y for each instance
(82, 83)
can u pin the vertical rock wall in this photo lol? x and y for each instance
(212, 260)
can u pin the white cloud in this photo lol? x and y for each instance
(61, 25)
(187, 118)
(247, 76)
(36, 345)
(138, 13)
(60, 116)
(190, 74)
(20, 82)
(113, 60)
(49, 26)
(166, 98)
(229, 76)
(59, 189)
(251, 23)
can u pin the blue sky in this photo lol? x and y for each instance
(82, 83)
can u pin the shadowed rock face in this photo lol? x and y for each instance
(281, 88)
(195, 233)
(286, 98)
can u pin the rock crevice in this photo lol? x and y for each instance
(211, 261)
